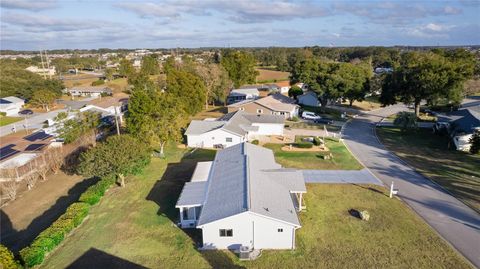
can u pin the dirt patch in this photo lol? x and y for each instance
(268, 75)
(312, 149)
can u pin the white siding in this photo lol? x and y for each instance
(248, 230)
(268, 129)
(215, 137)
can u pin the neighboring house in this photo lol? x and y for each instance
(42, 71)
(94, 91)
(11, 105)
(308, 99)
(243, 198)
(460, 126)
(275, 104)
(238, 95)
(302, 86)
(231, 129)
(283, 86)
(108, 106)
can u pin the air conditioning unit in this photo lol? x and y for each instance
(244, 253)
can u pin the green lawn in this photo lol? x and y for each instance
(136, 224)
(311, 126)
(5, 120)
(342, 159)
(458, 172)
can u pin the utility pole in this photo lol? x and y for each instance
(43, 66)
(48, 64)
(116, 121)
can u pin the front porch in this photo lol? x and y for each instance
(189, 216)
(298, 201)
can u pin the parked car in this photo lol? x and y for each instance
(324, 121)
(26, 112)
(310, 116)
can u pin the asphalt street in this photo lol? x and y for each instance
(34, 122)
(453, 220)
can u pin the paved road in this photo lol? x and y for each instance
(453, 220)
(34, 122)
(341, 176)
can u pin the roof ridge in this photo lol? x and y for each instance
(247, 177)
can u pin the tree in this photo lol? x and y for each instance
(43, 98)
(150, 65)
(155, 116)
(109, 72)
(119, 155)
(187, 88)
(240, 66)
(295, 91)
(72, 129)
(406, 121)
(475, 143)
(355, 81)
(216, 82)
(126, 68)
(425, 76)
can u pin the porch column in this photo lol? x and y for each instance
(194, 214)
(181, 214)
(300, 203)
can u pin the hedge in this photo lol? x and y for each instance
(317, 141)
(51, 237)
(304, 145)
(7, 260)
(255, 142)
(93, 194)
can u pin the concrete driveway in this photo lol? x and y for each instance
(341, 176)
(34, 122)
(453, 220)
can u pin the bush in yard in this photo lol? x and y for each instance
(7, 260)
(95, 192)
(76, 212)
(98, 82)
(304, 145)
(294, 119)
(317, 141)
(406, 121)
(255, 142)
(32, 256)
(475, 143)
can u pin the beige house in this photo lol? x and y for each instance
(275, 104)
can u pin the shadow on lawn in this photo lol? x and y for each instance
(165, 194)
(16, 240)
(95, 258)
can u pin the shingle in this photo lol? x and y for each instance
(200, 127)
(193, 193)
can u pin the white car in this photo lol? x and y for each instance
(310, 115)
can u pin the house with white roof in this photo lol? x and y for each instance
(231, 129)
(11, 105)
(94, 91)
(275, 104)
(243, 199)
(238, 95)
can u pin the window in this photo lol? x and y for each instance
(280, 230)
(259, 111)
(226, 232)
(228, 139)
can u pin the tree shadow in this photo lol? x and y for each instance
(165, 194)
(94, 258)
(16, 240)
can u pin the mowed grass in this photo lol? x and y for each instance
(342, 158)
(135, 224)
(6, 120)
(211, 112)
(265, 75)
(458, 172)
(370, 103)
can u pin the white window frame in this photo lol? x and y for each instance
(225, 232)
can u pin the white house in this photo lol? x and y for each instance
(460, 126)
(308, 99)
(274, 104)
(231, 129)
(238, 95)
(93, 91)
(243, 198)
(284, 86)
(11, 105)
(42, 71)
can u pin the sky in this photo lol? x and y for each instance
(84, 24)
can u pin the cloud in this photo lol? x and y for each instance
(431, 30)
(29, 5)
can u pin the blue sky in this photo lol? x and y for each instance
(34, 25)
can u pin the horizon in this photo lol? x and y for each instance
(85, 25)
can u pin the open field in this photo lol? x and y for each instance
(267, 76)
(6, 120)
(370, 103)
(211, 112)
(134, 226)
(456, 171)
(342, 159)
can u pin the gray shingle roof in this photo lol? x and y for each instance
(246, 177)
(193, 193)
(203, 126)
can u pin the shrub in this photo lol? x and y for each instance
(255, 142)
(406, 121)
(3, 114)
(98, 82)
(475, 143)
(304, 145)
(93, 194)
(317, 141)
(7, 260)
(76, 212)
(32, 256)
(295, 119)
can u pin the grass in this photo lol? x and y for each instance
(6, 120)
(265, 76)
(342, 159)
(370, 103)
(456, 171)
(135, 224)
(211, 112)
